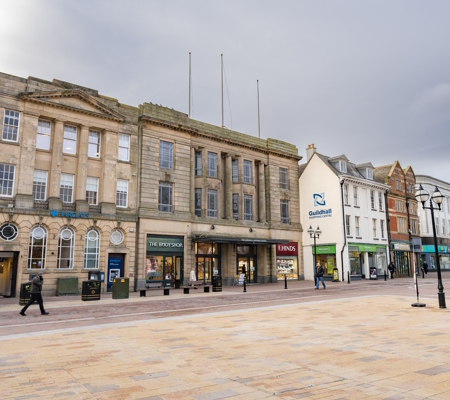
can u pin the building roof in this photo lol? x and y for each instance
(381, 174)
(301, 168)
(351, 168)
(365, 165)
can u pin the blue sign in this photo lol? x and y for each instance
(429, 248)
(319, 199)
(69, 214)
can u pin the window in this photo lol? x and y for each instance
(43, 135)
(284, 179)
(7, 179)
(355, 195)
(37, 248)
(11, 126)
(198, 163)
(235, 171)
(372, 199)
(124, 147)
(8, 232)
(236, 206)
(347, 225)
(380, 201)
(92, 191)
(436, 225)
(165, 197)
(382, 228)
(91, 249)
(116, 236)
(165, 155)
(402, 226)
(70, 139)
(374, 227)
(345, 194)
(414, 226)
(40, 185)
(357, 232)
(212, 203)
(342, 166)
(247, 171)
(369, 173)
(284, 209)
(400, 205)
(94, 144)
(248, 207)
(66, 188)
(122, 193)
(212, 165)
(443, 226)
(198, 202)
(66, 244)
(398, 184)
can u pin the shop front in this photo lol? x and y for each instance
(207, 261)
(326, 255)
(164, 260)
(247, 262)
(402, 257)
(429, 254)
(287, 261)
(367, 261)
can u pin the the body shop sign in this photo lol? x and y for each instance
(165, 244)
(287, 249)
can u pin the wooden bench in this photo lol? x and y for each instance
(154, 286)
(195, 285)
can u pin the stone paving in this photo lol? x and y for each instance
(374, 347)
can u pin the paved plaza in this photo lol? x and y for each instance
(346, 342)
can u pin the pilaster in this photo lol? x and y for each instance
(228, 188)
(262, 192)
(55, 173)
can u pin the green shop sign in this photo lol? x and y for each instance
(331, 249)
(165, 244)
(369, 248)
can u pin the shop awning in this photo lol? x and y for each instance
(237, 240)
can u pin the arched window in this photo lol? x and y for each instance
(91, 249)
(37, 248)
(66, 244)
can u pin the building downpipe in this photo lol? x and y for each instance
(345, 236)
(388, 225)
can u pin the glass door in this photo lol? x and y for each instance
(178, 272)
(168, 271)
(205, 267)
(249, 264)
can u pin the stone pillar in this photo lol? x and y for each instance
(366, 265)
(54, 202)
(82, 168)
(25, 167)
(109, 179)
(192, 200)
(262, 193)
(228, 188)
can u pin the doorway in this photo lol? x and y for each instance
(115, 269)
(178, 272)
(207, 267)
(8, 273)
(249, 263)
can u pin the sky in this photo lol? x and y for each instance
(368, 79)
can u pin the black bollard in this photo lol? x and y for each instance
(348, 276)
(423, 273)
(245, 284)
(385, 276)
(285, 281)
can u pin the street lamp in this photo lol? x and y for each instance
(314, 234)
(422, 195)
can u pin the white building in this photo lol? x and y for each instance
(442, 222)
(350, 208)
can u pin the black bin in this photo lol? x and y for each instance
(217, 283)
(25, 289)
(90, 290)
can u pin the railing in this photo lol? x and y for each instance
(68, 207)
(41, 205)
(95, 209)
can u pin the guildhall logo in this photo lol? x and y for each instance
(319, 199)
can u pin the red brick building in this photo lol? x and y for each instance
(403, 219)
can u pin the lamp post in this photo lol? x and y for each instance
(422, 195)
(314, 234)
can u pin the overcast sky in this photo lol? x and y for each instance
(370, 79)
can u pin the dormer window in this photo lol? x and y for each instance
(369, 173)
(342, 166)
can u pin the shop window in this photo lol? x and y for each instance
(165, 197)
(7, 179)
(154, 268)
(212, 165)
(37, 248)
(92, 191)
(346, 194)
(91, 249)
(66, 188)
(247, 171)
(248, 207)
(355, 261)
(198, 202)
(122, 193)
(66, 244)
(116, 236)
(235, 171)
(8, 232)
(357, 232)
(245, 250)
(284, 178)
(355, 195)
(212, 203)
(236, 206)
(70, 139)
(124, 147)
(94, 144)
(165, 155)
(40, 185)
(43, 135)
(11, 126)
(284, 209)
(198, 163)
(206, 248)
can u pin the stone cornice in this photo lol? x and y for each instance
(364, 182)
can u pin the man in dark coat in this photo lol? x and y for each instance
(35, 294)
(425, 267)
(391, 268)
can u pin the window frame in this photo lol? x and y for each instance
(60, 247)
(212, 195)
(42, 135)
(235, 168)
(97, 181)
(121, 193)
(198, 202)
(346, 198)
(380, 201)
(248, 172)
(348, 226)
(355, 196)
(235, 202)
(357, 227)
(285, 219)
(31, 244)
(61, 188)
(67, 140)
(169, 206)
(165, 154)
(248, 200)
(372, 199)
(2, 180)
(342, 166)
(374, 228)
(4, 125)
(98, 145)
(126, 148)
(97, 250)
(382, 228)
(369, 173)
(36, 185)
(198, 163)
(212, 159)
(284, 172)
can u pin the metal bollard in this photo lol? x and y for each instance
(285, 281)
(245, 284)
(348, 276)
(385, 276)
(423, 273)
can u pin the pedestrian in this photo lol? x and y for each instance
(319, 275)
(425, 267)
(391, 268)
(35, 294)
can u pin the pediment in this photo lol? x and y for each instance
(75, 100)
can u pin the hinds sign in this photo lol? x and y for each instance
(287, 249)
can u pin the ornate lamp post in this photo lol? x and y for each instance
(314, 234)
(422, 195)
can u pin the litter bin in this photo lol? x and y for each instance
(217, 283)
(335, 274)
(25, 289)
(90, 290)
(94, 275)
(121, 288)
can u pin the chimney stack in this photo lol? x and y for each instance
(310, 151)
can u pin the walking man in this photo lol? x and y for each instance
(319, 275)
(35, 294)
(391, 268)
(425, 266)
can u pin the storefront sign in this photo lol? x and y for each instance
(319, 201)
(404, 247)
(331, 249)
(287, 249)
(165, 244)
(369, 248)
(68, 214)
(430, 249)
